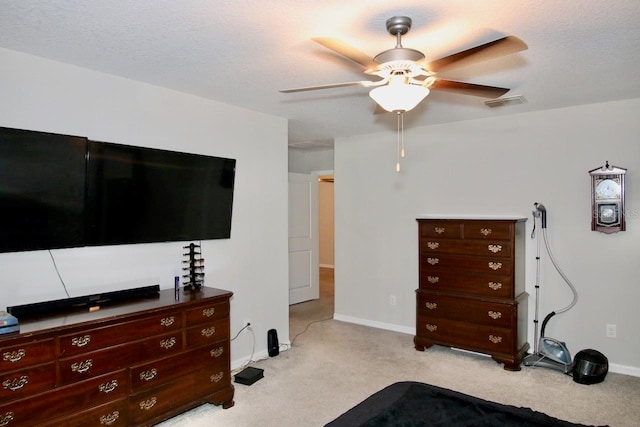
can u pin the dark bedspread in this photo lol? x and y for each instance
(413, 404)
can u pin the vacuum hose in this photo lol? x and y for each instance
(542, 211)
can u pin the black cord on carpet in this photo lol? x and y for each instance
(307, 328)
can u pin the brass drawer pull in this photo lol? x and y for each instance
(495, 315)
(495, 285)
(485, 231)
(433, 279)
(109, 419)
(16, 383)
(495, 248)
(81, 367)
(6, 419)
(433, 245)
(495, 339)
(168, 343)
(148, 404)
(208, 312)
(495, 265)
(217, 352)
(14, 356)
(439, 230)
(216, 377)
(167, 321)
(108, 387)
(148, 375)
(431, 328)
(81, 341)
(433, 261)
(209, 332)
(431, 305)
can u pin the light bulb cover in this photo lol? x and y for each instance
(399, 97)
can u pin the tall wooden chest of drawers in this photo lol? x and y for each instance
(471, 287)
(127, 364)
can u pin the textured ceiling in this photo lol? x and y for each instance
(242, 52)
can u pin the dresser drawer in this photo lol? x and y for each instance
(30, 353)
(26, 382)
(463, 264)
(48, 406)
(441, 229)
(465, 335)
(87, 365)
(490, 285)
(493, 230)
(492, 248)
(112, 414)
(207, 333)
(188, 388)
(466, 310)
(154, 374)
(207, 313)
(96, 338)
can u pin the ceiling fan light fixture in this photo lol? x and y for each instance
(399, 97)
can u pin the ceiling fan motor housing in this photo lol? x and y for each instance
(399, 54)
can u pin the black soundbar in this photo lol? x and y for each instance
(42, 309)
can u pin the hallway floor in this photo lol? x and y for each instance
(301, 315)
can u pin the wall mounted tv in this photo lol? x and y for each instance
(60, 191)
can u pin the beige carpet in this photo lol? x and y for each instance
(333, 365)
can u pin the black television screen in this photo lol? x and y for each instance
(139, 195)
(59, 191)
(42, 190)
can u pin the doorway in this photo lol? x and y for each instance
(326, 234)
(301, 315)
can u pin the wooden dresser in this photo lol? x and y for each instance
(128, 364)
(471, 288)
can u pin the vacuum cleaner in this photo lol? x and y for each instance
(589, 366)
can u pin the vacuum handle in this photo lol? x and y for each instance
(543, 212)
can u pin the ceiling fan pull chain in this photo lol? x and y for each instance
(402, 136)
(398, 144)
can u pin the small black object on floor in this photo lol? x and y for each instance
(249, 375)
(273, 345)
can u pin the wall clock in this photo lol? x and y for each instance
(607, 198)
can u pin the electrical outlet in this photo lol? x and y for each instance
(392, 299)
(611, 330)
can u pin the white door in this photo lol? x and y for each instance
(303, 238)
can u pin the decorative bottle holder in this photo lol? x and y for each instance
(193, 276)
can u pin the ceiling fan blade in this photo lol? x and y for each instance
(469, 88)
(364, 83)
(347, 51)
(495, 49)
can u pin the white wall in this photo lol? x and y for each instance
(496, 166)
(307, 161)
(43, 95)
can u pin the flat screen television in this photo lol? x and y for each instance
(59, 191)
(42, 190)
(141, 195)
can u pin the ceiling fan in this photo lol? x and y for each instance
(405, 78)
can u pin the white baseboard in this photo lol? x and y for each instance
(239, 363)
(625, 370)
(264, 354)
(613, 367)
(374, 324)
